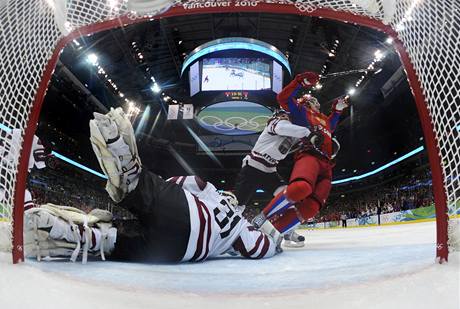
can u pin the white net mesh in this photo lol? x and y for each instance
(429, 30)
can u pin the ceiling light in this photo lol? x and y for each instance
(156, 88)
(121, 95)
(92, 58)
(331, 55)
(352, 91)
(389, 40)
(378, 55)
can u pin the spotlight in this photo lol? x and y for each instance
(378, 55)
(92, 58)
(155, 88)
(352, 91)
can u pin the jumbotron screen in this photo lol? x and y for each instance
(236, 74)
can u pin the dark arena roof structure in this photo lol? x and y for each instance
(381, 126)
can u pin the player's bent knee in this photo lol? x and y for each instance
(308, 208)
(298, 190)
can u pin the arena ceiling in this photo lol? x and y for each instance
(378, 128)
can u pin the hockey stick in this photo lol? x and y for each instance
(351, 72)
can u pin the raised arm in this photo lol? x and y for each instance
(286, 128)
(289, 93)
(338, 107)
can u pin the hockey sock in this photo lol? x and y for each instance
(278, 204)
(303, 211)
(294, 192)
(287, 222)
(308, 208)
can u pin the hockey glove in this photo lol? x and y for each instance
(268, 229)
(307, 79)
(315, 138)
(340, 104)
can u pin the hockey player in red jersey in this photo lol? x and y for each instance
(180, 220)
(259, 168)
(310, 180)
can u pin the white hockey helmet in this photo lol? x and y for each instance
(279, 112)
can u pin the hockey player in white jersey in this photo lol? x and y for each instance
(259, 168)
(10, 146)
(183, 219)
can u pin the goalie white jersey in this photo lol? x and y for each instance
(10, 150)
(274, 143)
(216, 227)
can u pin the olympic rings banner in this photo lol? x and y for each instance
(234, 118)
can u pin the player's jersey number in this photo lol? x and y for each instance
(226, 218)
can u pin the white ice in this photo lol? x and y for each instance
(376, 267)
(220, 78)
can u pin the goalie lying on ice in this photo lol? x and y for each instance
(181, 219)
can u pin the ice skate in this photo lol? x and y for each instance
(293, 240)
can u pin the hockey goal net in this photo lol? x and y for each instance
(426, 34)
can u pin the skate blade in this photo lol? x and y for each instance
(293, 244)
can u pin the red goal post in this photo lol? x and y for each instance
(426, 36)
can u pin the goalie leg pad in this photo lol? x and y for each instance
(49, 231)
(114, 143)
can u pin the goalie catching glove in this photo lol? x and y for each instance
(52, 230)
(114, 143)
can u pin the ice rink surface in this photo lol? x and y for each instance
(376, 267)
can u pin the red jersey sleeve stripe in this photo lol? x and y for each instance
(208, 236)
(238, 245)
(199, 245)
(257, 245)
(264, 248)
